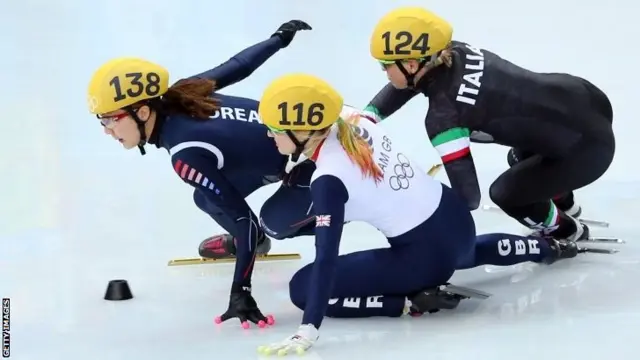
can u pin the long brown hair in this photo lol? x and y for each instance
(444, 57)
(193, 97)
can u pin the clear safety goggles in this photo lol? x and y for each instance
(386, 63)
(274, 130)
(110, 121)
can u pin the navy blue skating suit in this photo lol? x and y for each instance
(228, 157)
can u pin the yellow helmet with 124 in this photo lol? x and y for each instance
(409, 33)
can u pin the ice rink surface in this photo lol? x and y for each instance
(583, 308)
(77, 211)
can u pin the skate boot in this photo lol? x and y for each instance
(566, 248)
(264, 245)
(581, 232)
(563, 249)
(224, 246)
(431, 301)
(569, 207)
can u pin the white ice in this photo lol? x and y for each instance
(77, 211)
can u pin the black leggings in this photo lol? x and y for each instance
(525, 191)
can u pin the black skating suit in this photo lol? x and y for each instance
(560, 126)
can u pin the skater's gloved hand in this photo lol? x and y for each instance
(288, 30)
(244, 307)
(298, 343)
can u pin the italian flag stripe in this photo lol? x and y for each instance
(552, 216)
(452, 144)
(372, 112)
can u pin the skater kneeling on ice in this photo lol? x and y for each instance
(362, 174)
(557, 125)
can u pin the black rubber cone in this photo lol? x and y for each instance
(118, 290)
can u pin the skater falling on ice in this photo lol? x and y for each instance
(224, 159)
(559, 126)
(362, 174)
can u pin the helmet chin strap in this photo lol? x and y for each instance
(411, 83)
(141, 130)
(299, 145)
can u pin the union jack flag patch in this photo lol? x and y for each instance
(323, 220)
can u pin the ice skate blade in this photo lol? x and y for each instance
(604, 239)
(231, 259)
(597, 223)
(466, 292)
(598, 251)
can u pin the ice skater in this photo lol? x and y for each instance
(559, 126)
(362, 174)
(216, 144)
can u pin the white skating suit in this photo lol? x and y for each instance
(404, 199)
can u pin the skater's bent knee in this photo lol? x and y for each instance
(282, 228)
(272, 231)
(500, 195)
(270, 225)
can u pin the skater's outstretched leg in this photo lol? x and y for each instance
(504, 249)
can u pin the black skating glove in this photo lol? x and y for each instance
(288, 30)
(244, 307)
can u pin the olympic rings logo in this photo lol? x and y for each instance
(403, 172)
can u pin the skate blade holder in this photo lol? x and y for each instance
(231, 259)
(597, 223)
